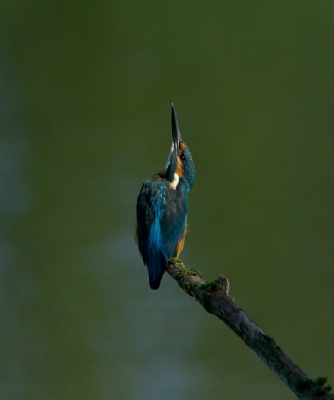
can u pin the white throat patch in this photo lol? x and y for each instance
(175, 182)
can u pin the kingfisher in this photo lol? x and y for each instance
(162, 208)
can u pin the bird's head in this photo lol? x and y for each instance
(180, 164)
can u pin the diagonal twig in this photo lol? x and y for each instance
(214, 297)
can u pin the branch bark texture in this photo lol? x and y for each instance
(214, 297)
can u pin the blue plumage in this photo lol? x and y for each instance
(162, 208)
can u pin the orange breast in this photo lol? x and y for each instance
(180, 245)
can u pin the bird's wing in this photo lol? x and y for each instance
(151, 204)
(161, 215)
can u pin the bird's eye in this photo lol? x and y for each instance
(182, 157)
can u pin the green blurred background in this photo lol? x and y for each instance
(85, 95)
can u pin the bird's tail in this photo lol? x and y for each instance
(156, 268)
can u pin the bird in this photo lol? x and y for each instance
(162, 208)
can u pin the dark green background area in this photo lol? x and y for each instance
(85, 96)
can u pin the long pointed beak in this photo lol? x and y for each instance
(176, 135)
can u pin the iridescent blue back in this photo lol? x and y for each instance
(161, 224)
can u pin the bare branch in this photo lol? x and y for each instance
(214, 297)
